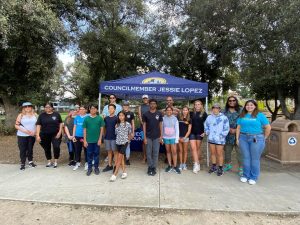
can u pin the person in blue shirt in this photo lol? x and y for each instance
(253, 128)
(112, 100)
(78, 137)
(216, 127)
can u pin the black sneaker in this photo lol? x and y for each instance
(213, 169)
(97, 171)
(107, 168)
(89, 172)
(22, 167)
(127, 162)
(72, 163)
(177, 170)
(169, 169)
(149, 171)
(31, 164)
(153, 171)
(220, 172)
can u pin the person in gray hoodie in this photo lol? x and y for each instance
(170, 138)
(216, 128)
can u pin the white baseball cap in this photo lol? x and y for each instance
(145, 96)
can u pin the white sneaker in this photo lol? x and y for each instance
(184, 167)
(251, 182)
(113, 178)
(124, 175)
(195, 168)
(106, 159)
(76, 166)
(198, 167)
(243, 179)
(86, 166)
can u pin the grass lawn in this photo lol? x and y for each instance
(63, 115)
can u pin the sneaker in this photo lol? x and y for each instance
(127, 162)
(72, 163)
(153, 171)
(180, 167)
(196, 168)
(212, 169)
(169, 169)
(149, 171)
(184, 167)
(55, 165)
(220, 172)
(177, 170)
(86, 166)
(97, 171)
(31, 164)
(107, 168)
(112, 178)
(124, 175)
(251, 182)
(89, 172)
(227, 167)
(243, 179)
(106, 159)
(240, 171)
(22, 167)
(50, 164)
(76, 166)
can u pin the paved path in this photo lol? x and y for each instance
(276, 191)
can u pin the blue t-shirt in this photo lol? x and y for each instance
(110, 126)
(253, 125)
(78, 121)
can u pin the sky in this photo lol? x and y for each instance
(66, 57)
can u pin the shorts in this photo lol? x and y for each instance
(195, 137)
(110, 145)
(215, 143)
(169, 141)
(122, 148)
(185, 140)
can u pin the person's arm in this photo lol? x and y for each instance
(140, 115)
(19, 127)
(144, 130)
(176, 131)
(58, 135)
(267, 131)
(38, 130)
(189, 131)
(206, 127)
(161, 131)
(100, 136)
(237, 134)
(67, 132)
(84, 138)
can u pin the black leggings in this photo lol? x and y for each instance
(26, 148)
(78, 149)
(46, 140)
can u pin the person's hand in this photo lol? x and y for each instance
(30, 133)
(237, 142)
(85, 144)
(99, 142)
(74, 139)
(232, 130)
(202, 135)
(38, 138)
(161, 141)
(58, 135)
(145, 141)
(70, 137)
(181, 140)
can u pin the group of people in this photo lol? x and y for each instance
(244, 129)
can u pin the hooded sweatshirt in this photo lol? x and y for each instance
(216, 128)
(171, 128)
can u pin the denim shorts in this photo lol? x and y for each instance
(169, 141)
(185, 140)
(110, 145)
(195, 137)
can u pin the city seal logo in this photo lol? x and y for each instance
(154, 80)
(292, 141)
(54, 117)
(157, 117)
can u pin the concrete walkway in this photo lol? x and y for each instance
(276, 191)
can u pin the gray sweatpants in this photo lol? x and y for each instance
(152, 149)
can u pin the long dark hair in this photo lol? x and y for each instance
(237, 105)
(255, 111)
(118, 120)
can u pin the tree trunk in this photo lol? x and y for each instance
(297, 104)
(11, 112)
(276, 109)
(284, 108)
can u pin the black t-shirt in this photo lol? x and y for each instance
(152, 121)
(129, 116)
(183, 127)
(198, 122)
(110, 126)
(49, 122)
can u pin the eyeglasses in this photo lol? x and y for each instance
(232, 100)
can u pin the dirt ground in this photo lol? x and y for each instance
(24, 213)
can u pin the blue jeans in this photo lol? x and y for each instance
(251, 147)
(93, 151)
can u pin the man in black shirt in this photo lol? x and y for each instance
(152, 128)
(129, 117)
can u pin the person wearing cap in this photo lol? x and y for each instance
(49, 131)
(26, 129)
(129, 117)
(143, 108)
(112, 100)
(216, 127)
